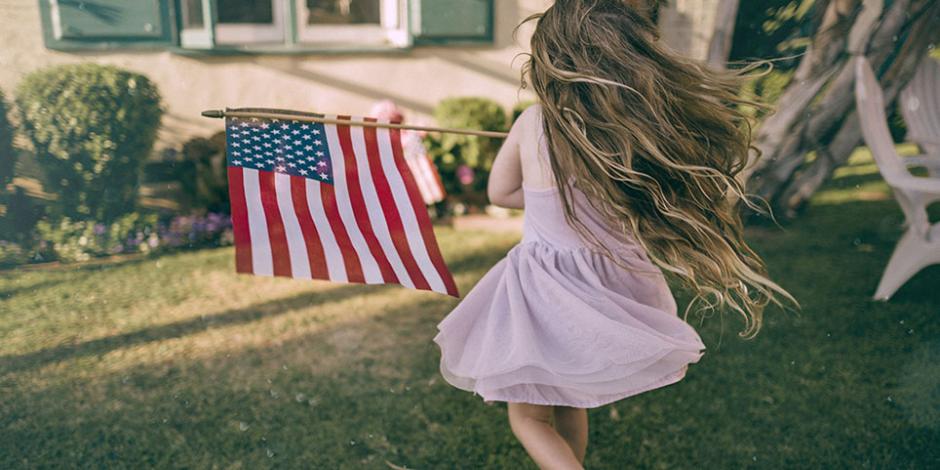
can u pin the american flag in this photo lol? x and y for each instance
(330, 202)
(425, 172)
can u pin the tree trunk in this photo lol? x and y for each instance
(816, 113)
(720, 46)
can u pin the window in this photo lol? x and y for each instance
(264, 26)
(250, 21)
(372, 22)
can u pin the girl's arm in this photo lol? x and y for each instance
(505, 184)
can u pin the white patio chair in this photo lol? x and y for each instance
(920, 107)
(920, 245)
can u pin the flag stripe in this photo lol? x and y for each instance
(351, 260)
(414, 164)
(276, 234)
(260, 246)
(358, 203)
(335, 262)
(334, 202)
(240, 231)
(377, 216)
(316, 256)
(424, 222)
(435, 177)
(297, 246)
(386, 200)
(407, 213)
(369, 265)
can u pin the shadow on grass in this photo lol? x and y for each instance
(273, 308)
(11, 291)
(353, 394)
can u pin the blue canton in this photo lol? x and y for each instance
(291, 147)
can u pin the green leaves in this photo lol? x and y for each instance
(92, 126)
(7, 153)
(451, 151)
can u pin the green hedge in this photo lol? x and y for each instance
(92, 126)
(7, 153)
(203, 174)
(451, 151)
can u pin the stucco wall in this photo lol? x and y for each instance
(347, 84)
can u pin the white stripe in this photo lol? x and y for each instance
(296, 246)
(407, 212)
(414, 164)
(428, 171)
(374, 207)
(438, 191)
(334, 257)
(261, 260)
(370, 268)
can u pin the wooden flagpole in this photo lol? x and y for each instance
(219, 114)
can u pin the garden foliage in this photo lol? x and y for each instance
(454, 153)
(91, 126)
(7, 152)
(203, 173)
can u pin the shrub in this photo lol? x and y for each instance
(81, 240)
(92, 127)
(12, 254)
(21, 215)
(70, 240)
(7, 153)
(203, 173)
(455, 153)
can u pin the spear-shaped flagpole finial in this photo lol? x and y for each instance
(214, 113)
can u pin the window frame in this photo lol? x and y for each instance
(178, 37)
(391, 32)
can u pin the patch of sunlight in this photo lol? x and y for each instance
(868, 191)
(859, 164)
(268, 324)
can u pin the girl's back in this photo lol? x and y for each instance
(557, 322)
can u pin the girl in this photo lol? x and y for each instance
(625, 167)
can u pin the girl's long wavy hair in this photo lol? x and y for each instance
(655, 141)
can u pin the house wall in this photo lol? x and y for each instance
(348, 84)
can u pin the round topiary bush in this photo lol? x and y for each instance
(7, 153)
(92, 127)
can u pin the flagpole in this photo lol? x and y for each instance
(219, 114)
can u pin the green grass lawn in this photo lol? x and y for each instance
(178, 362)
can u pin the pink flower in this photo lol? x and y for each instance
(465, 174)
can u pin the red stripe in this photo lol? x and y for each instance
(298, 190)
(421, 213)
(358, 203)
(350, 257)
(280, 253)
(395, 226)
(236, 194)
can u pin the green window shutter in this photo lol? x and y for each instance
(452, 21)
(107, 24)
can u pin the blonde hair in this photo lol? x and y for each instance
(655, 141)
